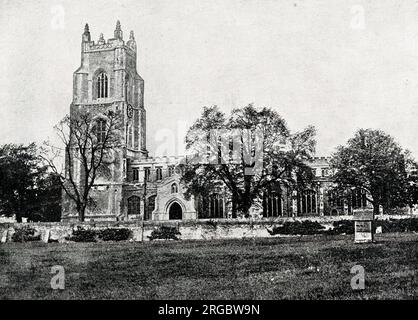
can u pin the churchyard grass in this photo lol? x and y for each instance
(307, 267)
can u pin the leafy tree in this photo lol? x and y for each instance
(373, 161)
(282, 156)
(89, 141)
(24, 187)
(49, 197)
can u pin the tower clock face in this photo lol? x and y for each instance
(130, 111)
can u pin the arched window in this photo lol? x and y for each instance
(134, 205)
(100, 130)
(150, 207)
(136, 130)
(130, 137)
(358, 198)
(272, 204)
(127, 89)
(158, 173)
(216, 208)
(170, 170)
(306, 202)
(102, 85)
(174, 188)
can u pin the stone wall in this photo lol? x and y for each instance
(203, 229)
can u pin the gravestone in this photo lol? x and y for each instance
(45, 237)
(363, 226)
(4, 236)
(137, 234)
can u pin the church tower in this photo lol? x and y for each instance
(107, 80)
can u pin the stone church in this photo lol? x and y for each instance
(149, 188)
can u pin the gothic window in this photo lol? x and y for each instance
(174, 188)
(170, 171)
(130, 137)
(272, 204)
(358, 198)
(216, 208)
(150, 207)
(127, 88)
(135, 174)
(102, 85)
(159, 173)
(100, 130)
(134, 205)
(147, 172)
(136, 129)
(211, 206)
(306, 202)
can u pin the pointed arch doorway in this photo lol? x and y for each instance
(175, 212)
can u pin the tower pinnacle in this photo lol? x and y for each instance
(131, 43)
(86, 34)
(101, 39)
(118, 31)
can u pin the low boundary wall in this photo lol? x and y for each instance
(202, 229)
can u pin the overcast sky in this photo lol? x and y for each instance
(339, 65)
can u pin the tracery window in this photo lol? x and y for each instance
(100, 130)
(102, 85)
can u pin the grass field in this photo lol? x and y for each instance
(309, 267)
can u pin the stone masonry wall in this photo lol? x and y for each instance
(203, 229)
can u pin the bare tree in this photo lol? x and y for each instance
(89, 142)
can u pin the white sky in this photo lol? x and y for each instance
(315, 62)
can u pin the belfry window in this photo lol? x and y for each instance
(127, 88)
(102, 85)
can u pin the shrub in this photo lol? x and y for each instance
(212, 223)
(83, 235)
(115, 234)
(412, 224)
(165, 233)
(298, 228)
(398, 225)
(24, 234)
(342, 227)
